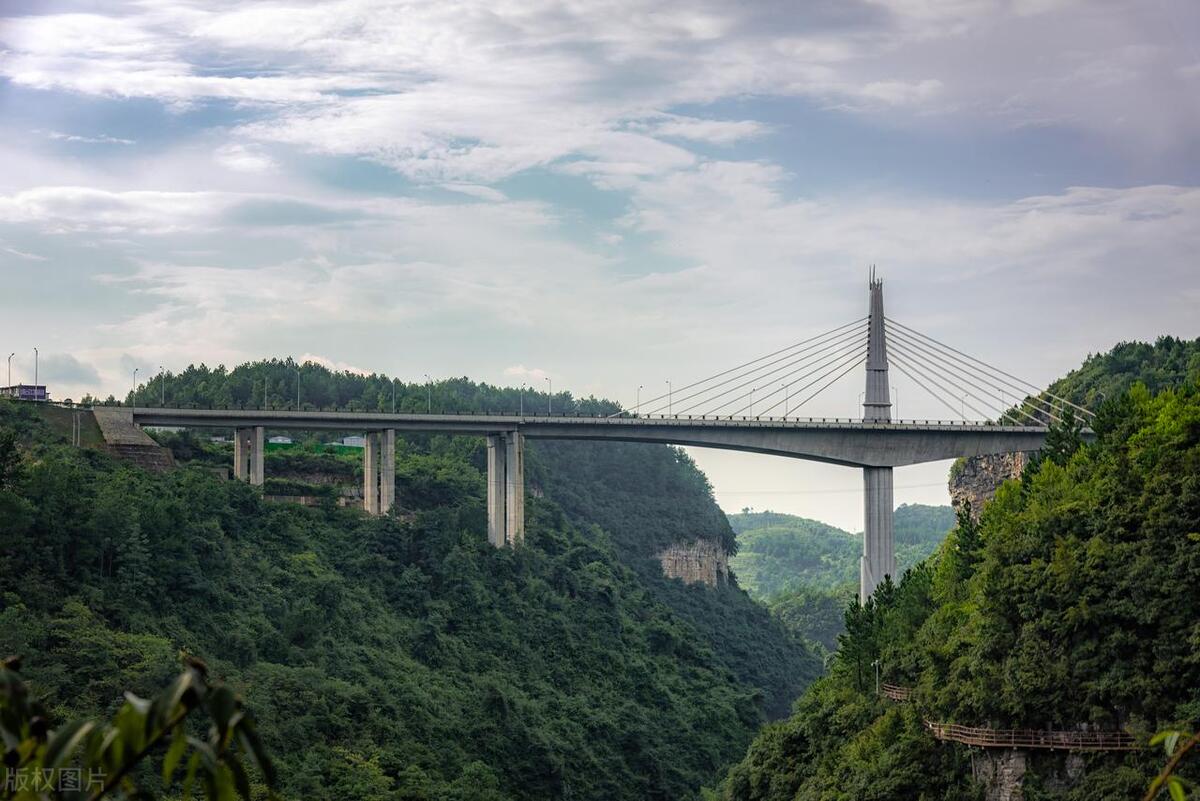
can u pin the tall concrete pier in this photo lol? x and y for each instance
(879, 548)
(248, 455)
(379, 471)
(506, 488)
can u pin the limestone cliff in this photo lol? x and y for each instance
(977, 479)
(698, 562)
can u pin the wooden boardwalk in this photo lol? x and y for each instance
(1046, 739)
(1034, 738)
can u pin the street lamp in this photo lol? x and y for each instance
(876, 664)
(521, 399)
(162, 384)
(896, 402)
(670, 410)
(637, 410)
(963, 402)
(428, 394)
(549, 395)
(35, 370)
(393, 396)
(135, 372)
(786, 393)
(752, 401)
(10, 367)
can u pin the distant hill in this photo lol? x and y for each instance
(778, 553)
(806, 571)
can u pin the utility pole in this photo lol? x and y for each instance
(549, 396)
(428, 394)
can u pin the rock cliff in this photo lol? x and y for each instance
(697, 562)
(977, 479)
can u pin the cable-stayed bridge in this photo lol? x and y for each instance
(720, 411)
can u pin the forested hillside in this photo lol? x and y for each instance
(807, 571)
(397, 657)
(1069, 603)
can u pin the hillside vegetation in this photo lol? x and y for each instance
(1069, 603)
(807, 571)
(398, 657)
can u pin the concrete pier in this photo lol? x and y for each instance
(248, 447)
(379, 471)
(879, 547)
(506, 488)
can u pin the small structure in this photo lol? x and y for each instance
(29, 392)
(355, 441)
(280, 440)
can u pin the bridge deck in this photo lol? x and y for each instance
(842, 441)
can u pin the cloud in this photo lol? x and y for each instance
(244, 158)
(66, 369)
(472, 92)
(533, 376)
(101, 139)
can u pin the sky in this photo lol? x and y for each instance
(612, 193)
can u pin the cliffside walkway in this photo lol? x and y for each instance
(1046, 739)
(1034, 738)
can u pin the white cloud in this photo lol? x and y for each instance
(101, 139)
(533, 376)
(244, 158)
(473, 92)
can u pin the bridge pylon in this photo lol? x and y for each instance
(879, 547)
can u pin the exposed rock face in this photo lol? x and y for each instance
(701, 561)
(977, 479)
(1002, 773)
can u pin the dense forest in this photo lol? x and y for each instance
(1069, 603)
(807, 571)
(398, 657)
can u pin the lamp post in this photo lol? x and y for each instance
(393, 396)
(428, 394)
(876, 664)
(10, 367)
(963, 402)
(135, 372)
(752, 401)
(637, 410)
(162, 385)
(896, 402)
(35, 370)
(549, 395)
(786, 392)
(670, 405)
(521, 400)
